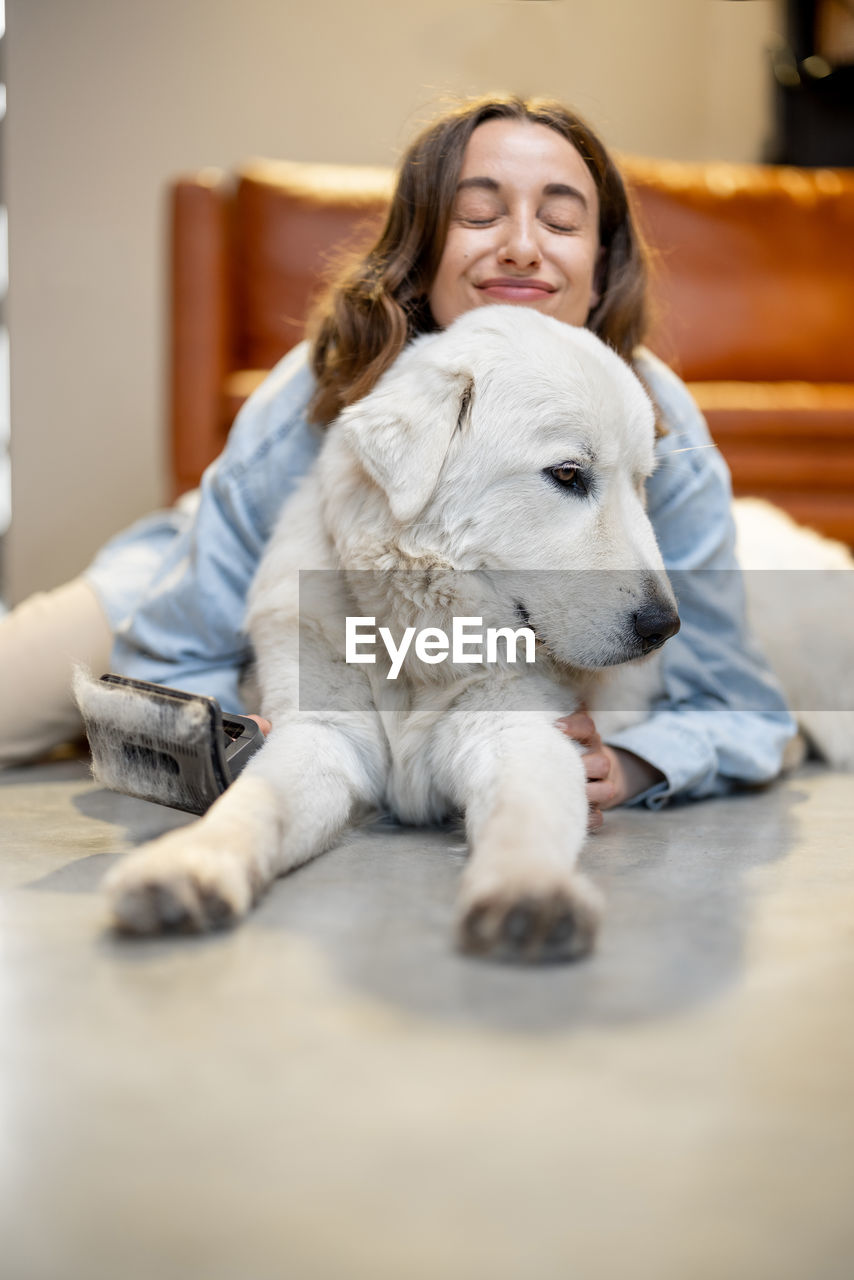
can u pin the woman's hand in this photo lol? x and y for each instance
(613, 775)
(264, 725)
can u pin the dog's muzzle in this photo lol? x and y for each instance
(654, 624)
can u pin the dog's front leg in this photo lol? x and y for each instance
(522, 785)
(291, 803)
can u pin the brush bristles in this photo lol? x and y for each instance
(139, 740)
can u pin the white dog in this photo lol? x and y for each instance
(446, 493)
(489, 456)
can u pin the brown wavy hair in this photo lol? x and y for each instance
(378, 302)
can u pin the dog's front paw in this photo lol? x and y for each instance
(178, 885)
(533, 924)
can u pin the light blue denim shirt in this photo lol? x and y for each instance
(174, 586)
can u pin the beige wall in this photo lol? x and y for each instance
(107, 98)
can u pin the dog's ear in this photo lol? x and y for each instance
(402, 430)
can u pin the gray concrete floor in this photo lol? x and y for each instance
(330, 1092)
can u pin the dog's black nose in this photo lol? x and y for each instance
(655, 623)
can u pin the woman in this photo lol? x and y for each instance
(498, 201)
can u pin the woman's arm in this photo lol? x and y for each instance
(722, 720)
(188, 629)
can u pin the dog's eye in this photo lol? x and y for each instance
(569, 476)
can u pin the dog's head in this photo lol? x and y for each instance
(518, 447)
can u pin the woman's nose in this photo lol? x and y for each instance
(520, 246)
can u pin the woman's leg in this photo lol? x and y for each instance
(40, 642)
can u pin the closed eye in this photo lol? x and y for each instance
(570, 476)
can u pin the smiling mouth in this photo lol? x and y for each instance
(516, 285)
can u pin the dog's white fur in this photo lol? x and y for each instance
(445, 467)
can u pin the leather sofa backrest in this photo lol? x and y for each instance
(752, 269)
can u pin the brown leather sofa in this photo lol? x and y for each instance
(753, 303)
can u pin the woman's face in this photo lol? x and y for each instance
(524, 227)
